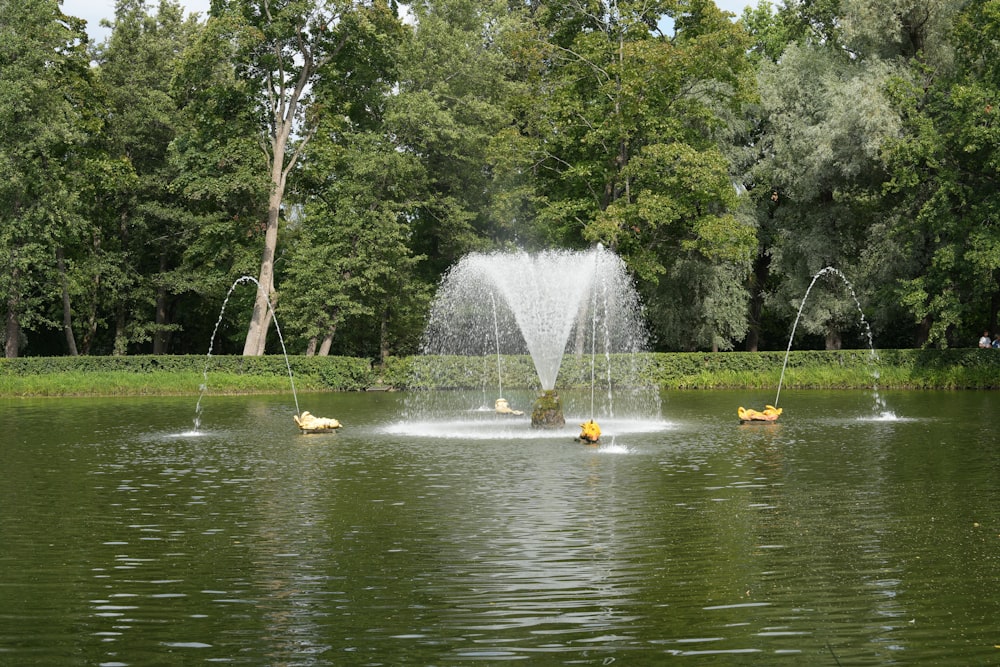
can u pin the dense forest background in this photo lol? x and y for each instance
(345, 153)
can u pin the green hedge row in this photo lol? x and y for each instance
(901, 369)
(916, 369)
(930, 369)
(334, 373)
(516, 371)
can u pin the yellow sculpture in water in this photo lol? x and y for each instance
(590, 432)
(503, 407)
(312, 424)
(768, 414)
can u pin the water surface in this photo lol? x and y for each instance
(832, 537)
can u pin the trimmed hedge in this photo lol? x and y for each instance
(807, 369)
(333, 373)
(901, 369)
(454, 372)
(916, 369)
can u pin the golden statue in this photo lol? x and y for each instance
(591, 431)
(312, 424)
(768, 414)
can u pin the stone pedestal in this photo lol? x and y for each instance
(547, 411)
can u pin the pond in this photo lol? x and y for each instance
(828, 538)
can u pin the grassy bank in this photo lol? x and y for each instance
(184, 375)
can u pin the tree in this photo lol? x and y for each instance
(43, 64)
(137, 237)
(350, 252)
(631, 147)
(281, 49)
(771, 32)
(942, 245)
(827, 117)
(455, 111)
(219, 172)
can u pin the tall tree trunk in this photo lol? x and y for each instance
(121, 339)
(833, 340)
(261, 320)
(12, 325)
(160, 335)
(121, 317)
(324, 348)
(13, 334)
(90, 330)
(761, 271)
(12, 329)
(923, 331)
(311, 347)
(67, 309)
(383, 351)
(753, 331)
(283, 109)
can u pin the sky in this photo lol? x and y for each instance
(735, 6)
(95, 10)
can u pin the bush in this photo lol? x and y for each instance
(844, 369)
(330, 373)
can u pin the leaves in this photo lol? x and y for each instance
(726, 162)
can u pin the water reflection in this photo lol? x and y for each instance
(542, 557)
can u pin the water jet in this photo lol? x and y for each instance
(306, 422)
(879, 406)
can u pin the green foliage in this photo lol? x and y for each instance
(699, 370)
(699, 305)
(632, 131)
(184, 375)
(829, 113)
(129, 272)
(180, 374)
(726, 162)
(842, 369)
(43, 122)
(454, 112)
(942, 188)
(350, 261)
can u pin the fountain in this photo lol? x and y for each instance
(306, 422)
(879, 407)
(556, 315)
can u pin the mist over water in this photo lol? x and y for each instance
(574, 316)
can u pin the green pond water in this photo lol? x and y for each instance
(830, 538)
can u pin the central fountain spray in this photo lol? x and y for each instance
(555, 308)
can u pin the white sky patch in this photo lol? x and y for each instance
(92, 11)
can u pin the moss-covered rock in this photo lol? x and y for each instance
(547, 411)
